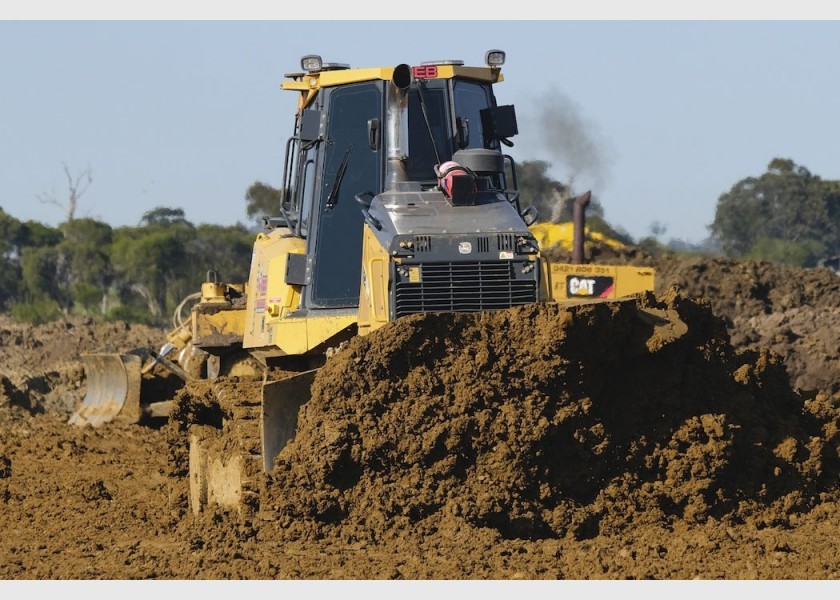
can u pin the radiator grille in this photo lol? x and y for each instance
(448, 287)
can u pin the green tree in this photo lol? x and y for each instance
(151, 262)
(39, 266)
(787, 214)
(137, 273)
(224, 250)
(28, 266)
(37, 234)
(68, 266)
(787, 252)
(84, 263)
(10, 233)
(164, 216)
(36, 249)
(262, 200)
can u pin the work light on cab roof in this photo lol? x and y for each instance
(494, 58)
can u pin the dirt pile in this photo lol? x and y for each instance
(795, 312)
(539, 442)
(549, 422)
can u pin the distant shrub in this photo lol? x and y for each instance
(36, 312)
(787, 252)
(131, 315)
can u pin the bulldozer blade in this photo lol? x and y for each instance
(281, 402)
(113, 390)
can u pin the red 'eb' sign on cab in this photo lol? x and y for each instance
(424, 72)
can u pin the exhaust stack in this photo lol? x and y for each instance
(396, 119)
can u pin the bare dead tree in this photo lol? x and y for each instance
(76, 187)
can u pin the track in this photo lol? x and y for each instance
(217, 448)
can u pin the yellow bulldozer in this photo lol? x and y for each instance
(398, 198)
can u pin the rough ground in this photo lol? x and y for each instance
(539, 443)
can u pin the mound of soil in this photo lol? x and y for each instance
(793, 311)
(550, 422)
(538, 442)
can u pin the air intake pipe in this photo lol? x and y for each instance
(396, 119)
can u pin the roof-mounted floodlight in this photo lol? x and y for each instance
(310, 62)
(494, 58)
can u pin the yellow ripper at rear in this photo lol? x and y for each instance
(113, 390)
(567, 282)
(563, 235)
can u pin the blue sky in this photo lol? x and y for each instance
(657, 118)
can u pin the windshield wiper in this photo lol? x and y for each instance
(420, 87)
(332, 199)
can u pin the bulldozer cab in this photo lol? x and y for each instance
(350, 132)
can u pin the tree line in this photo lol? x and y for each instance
(786, 215)
(84, 266)
(140, 274)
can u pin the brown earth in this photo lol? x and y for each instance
(537, 443)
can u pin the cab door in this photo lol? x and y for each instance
(350, 166)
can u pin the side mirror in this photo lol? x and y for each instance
(530, 215)
(310, 125)
(463, 126)
(499, 122)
